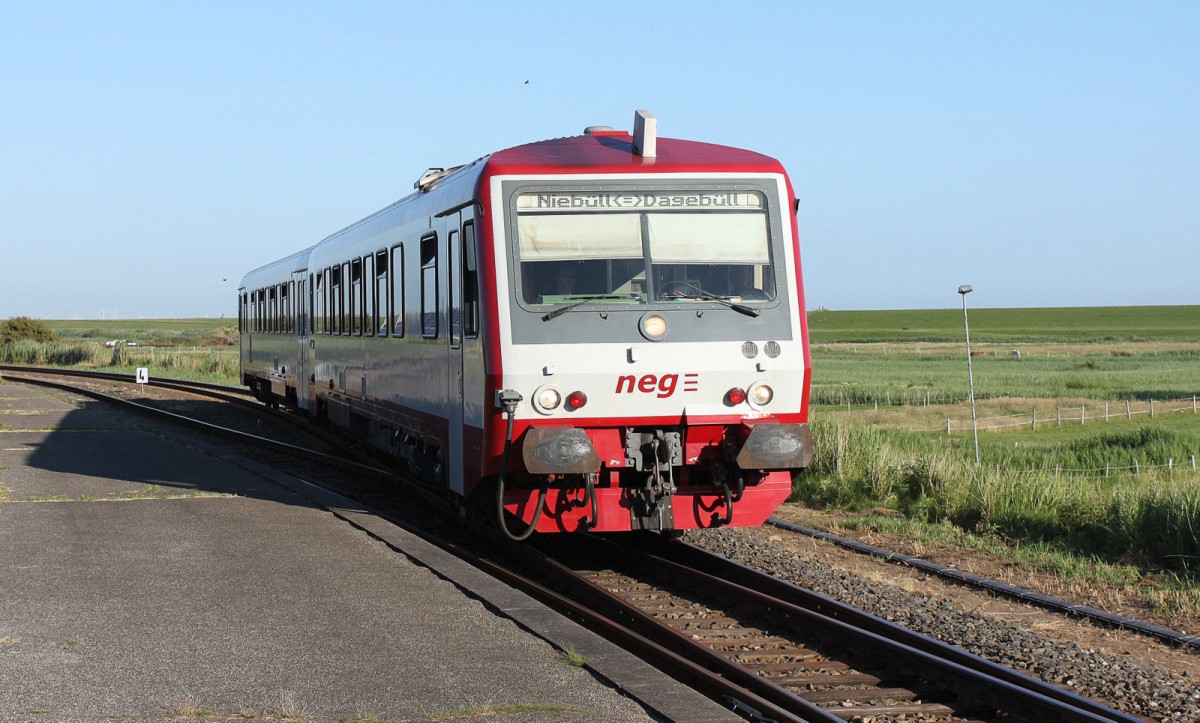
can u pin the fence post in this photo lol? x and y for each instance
(1106, 466)
(1059, 409)
(876, 405)
(1082, 415)
(1152, 409)
(1057, 467)
(1137, 469)
(1106, 411)
(1034, 415)
(1193, 404)
(1128, 410)
(1193, 463)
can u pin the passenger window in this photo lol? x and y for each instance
(321, 319)
(380, 319)
(470, 283)
(454, 293)
(429, 288)
(397, 281)
(356, 305)
(335, 300)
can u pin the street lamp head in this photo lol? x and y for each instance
(964, 289)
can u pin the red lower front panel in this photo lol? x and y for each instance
(567, 511)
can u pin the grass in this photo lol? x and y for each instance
(1172, 599)
(197, 349)
(211, 364)
(1099, 324)
(568, 657)
(169, 332)
(914, 374)
(1151, 518)
(1041, 495)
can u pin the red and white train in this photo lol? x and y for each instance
(603, 332)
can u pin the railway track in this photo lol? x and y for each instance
(995, 587)
(796, 654)
(766, 648)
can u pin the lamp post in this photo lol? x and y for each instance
(963, 291)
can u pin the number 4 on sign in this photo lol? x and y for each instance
(143, 375)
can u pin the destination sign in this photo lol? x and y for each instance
(629, 200)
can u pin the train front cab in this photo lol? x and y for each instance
(665, 385)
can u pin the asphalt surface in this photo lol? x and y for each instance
(147, 575)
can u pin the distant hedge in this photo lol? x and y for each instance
(20, 328)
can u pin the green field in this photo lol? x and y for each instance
(171, 332)
(1116, 496)
(198, 349)
(1099, 324)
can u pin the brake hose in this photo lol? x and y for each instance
(510, 400)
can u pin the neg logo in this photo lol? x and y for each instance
(661, 386)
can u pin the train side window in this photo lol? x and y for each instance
(312, 304)
(470, 283)
(285, 307)
(260, 311)
(379, 321)
(335, 300)
(397, 281)
(344, 302)
(454, 292)
(369, 302)
(429, 287)
(356, 310)
(319, 298)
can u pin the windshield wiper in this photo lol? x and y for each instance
(586, 299)
(740, 308)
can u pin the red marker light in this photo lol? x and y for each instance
(575, 400)
(736, 396)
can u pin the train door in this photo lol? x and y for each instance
(454, 376)
(303, 309)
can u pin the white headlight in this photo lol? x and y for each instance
(548, 398)
(761, 395)
(653, 327)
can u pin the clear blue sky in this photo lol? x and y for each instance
(1047, 153)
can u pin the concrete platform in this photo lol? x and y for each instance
(147, 575)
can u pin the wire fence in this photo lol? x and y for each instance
(1111, 470)
(1082, 415)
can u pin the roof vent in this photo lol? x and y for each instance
(645, 134)
(593, 130)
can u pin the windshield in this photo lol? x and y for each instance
(643, 246)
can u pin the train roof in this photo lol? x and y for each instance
(613, 152)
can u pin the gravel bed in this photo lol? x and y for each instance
(1119, 682)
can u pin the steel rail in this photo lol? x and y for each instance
(996, 587)
(166, 382)
(304, 452)
(1029, 701)
(718, 568)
